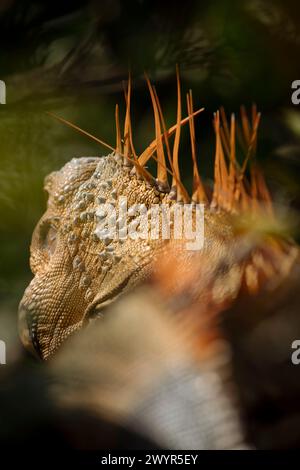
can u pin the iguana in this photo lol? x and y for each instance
(78, 270)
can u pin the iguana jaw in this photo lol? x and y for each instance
(42, 335)
(26, 333)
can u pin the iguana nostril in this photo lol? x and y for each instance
(27, 325)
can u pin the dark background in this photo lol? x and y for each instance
(71, 57)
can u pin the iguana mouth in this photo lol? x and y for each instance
(27, 325)
(48, 315)
(42, 339)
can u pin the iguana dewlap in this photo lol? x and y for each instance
(78, 270)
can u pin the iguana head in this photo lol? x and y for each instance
(79, 267)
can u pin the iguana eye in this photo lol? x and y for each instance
(47, 236)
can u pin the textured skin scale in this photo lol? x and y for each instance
(71, 277)
(77, 273)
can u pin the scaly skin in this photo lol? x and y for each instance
(75, 273)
